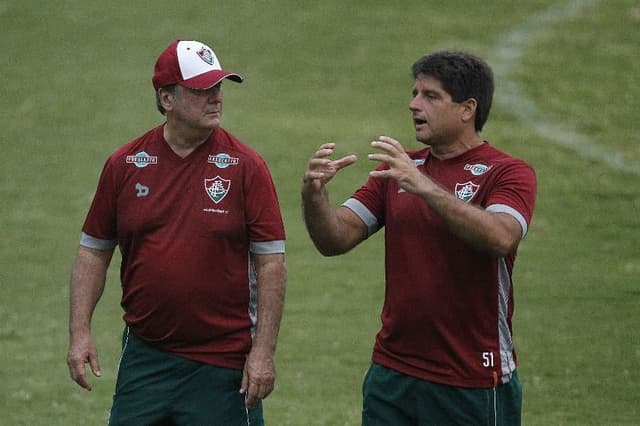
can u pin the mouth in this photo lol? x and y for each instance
(419, 121)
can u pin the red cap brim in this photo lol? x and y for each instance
(210, 79)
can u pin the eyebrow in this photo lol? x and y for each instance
(426, 92)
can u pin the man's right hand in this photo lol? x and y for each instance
(320, 168)
(82, 351)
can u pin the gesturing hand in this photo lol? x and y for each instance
(401, 166)
(320, 168)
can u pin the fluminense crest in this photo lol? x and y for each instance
(217, 188)
(206, 55)
(466, 191)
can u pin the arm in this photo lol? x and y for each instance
(333, 230)
(87, 283)
(258, 378)
(496, 233)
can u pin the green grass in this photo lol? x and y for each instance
(76, 84)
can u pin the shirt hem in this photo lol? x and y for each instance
(472, 383)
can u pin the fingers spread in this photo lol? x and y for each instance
(344, 162)
(324, 150)
(388, 144)
(390, 141)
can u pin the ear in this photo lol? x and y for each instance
(166, 99)
(469, 110)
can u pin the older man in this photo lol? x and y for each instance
(196, 216)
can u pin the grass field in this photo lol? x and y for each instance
(76, 85)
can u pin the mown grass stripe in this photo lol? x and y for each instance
(506, 57)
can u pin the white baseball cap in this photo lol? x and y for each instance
(190, 64)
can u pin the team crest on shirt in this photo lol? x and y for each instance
(142, 159)
(217, 188)
(466, 191)
(223, 160)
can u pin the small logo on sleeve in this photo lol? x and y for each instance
(142, 159)
(217, 188)
(222, 160)
(466, 191)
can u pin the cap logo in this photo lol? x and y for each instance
(206, 55)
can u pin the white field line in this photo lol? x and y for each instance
(506, 57)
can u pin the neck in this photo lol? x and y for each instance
(458, 147)
(184, 142)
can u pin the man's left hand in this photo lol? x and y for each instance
(258, 377)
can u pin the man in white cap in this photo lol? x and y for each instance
(196, 216)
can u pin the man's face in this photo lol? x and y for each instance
(198, 108)
(436, 118)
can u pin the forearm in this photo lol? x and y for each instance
(88, 279)
(271, 275)
(494, 233)
(319, 219)
(331, 231)
(87, 283)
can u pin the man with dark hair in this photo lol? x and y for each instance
(463, 76)
(196, 216)
(454, 214)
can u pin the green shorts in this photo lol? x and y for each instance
(157, 388)
(393, 398)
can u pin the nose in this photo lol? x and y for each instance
(412, 104)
